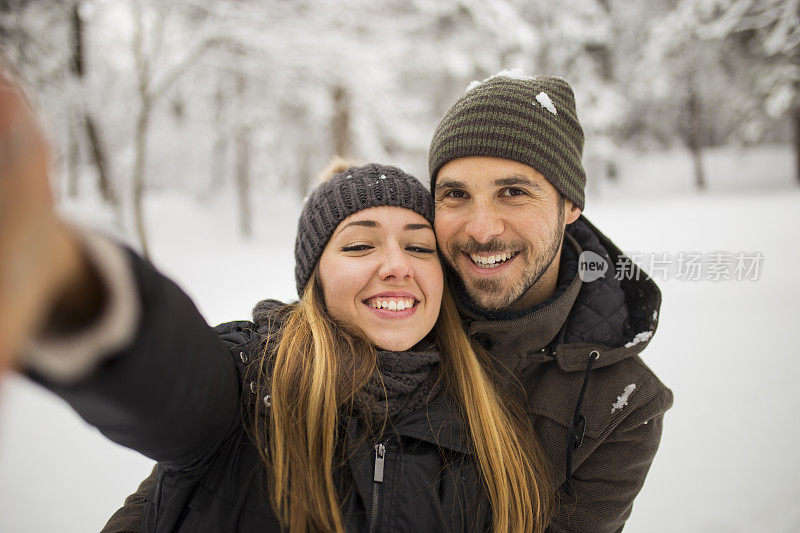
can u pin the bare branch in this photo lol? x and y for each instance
(193, 52)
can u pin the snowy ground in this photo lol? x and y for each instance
(727, 349)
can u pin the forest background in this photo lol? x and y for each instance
(193, 129)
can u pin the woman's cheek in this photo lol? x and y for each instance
(432, 283)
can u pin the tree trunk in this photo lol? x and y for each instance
(696, 137)
(243, 162)
(340, 125)
(92, 131)
(100, 161)
(306, 179)
(141, 129)
(73, 158)
(697, 164)
(243, 180)
(219, 151)
(77, 40)
(796, 123)
(139, 163)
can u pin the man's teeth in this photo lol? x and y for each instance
(393, 304)
(492, 261)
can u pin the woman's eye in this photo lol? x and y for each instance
(420, 249)
(356, 248)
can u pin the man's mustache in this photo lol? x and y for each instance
(489, 247)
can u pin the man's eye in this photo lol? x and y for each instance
(514, 191)
(356, 248)
(454, 193)
(420, 249)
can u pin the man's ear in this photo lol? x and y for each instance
(573, 212)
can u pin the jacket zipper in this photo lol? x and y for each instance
(377, 481)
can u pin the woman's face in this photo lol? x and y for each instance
(380, 271)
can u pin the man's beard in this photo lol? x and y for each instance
(499, 294)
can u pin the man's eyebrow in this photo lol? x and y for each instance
(518, 179)
(450, 184)
(417, 226)
(510, 181)
(362, 223)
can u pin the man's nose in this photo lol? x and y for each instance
(484, 223)
(395, 264)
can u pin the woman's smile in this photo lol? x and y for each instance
(393, 304)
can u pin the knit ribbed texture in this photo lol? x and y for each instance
(404, 382)
(355, 189)
(528, 119)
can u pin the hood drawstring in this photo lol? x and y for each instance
(578, 424)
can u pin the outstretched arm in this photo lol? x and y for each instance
(172, 392)
(134, 358)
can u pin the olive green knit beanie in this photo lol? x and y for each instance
(528, 119)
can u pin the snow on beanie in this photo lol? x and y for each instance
(353, 190)
(528, 119)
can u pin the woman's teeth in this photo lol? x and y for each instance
(492, 261)
(391, 305)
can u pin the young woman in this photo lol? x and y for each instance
(362, 407)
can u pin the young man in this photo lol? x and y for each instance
(547, 293)
(506, 173)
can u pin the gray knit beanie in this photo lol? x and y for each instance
(353, 190)
(528, 119)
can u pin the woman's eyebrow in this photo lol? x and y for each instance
(417, 226)
(376, 224)
(362, 223)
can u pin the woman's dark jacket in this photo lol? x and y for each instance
(178, 395)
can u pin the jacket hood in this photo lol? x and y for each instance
(615, 315)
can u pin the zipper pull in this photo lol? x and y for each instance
(380, 453)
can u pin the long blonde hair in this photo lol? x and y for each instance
(316, 367)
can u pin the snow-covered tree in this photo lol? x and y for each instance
(209, 95)
(767, 33)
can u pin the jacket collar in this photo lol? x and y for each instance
(438, 424)
(616, 314)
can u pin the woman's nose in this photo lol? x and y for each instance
(395, 264)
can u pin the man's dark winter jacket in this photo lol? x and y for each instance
(587, 338)
(621, 414)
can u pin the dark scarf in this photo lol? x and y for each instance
(403, 382)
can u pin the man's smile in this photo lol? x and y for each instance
(491, 261)
(488, 265)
